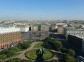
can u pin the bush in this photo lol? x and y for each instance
(71, 52)
(14, 60)
(16, 49)
(17, 60)
(57, 45)
(53, 43)
(64, 50)
(69, 58)
(4, 51)
(3, 56)
(24, 45)
(10, 53)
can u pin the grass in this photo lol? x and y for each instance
(47, 55)
(32, 54)
(39, 45)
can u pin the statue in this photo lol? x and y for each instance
(39, 54)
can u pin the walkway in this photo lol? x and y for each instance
(22, 53)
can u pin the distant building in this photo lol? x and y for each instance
(53, 27)
(35, 28)
(8, 29)
(43, 27)
(60, 29)
(61, 24)
(34, 35)
(23, 28)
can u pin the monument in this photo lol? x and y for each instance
(39, 53)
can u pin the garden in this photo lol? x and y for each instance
(32, 54)
(48, 48)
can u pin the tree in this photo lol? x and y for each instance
(24, 45)
(47, 43)
(53, 43)
(69, 58)
(71, 52)
(4, 51)
(64, 50)
(3, 56)
(16, 49)
(57, 45)
(8, 52)
(11, 53)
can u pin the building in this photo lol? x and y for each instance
(9, 39)
(23, 28)
(61, 24)
(10, 36)
(8, 29)
(78, 33)
(35, 28)
(53, 27)
(80, 59)
(60, 29)
(34, 35)
(43, 27)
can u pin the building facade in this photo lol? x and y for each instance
(78, 33)
(9, 39)
(43, 27)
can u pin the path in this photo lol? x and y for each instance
(22, 55)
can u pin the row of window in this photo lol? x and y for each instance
(9, 37)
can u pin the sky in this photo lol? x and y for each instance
(42, 9)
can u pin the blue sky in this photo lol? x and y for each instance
(42, 9)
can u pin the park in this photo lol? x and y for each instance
(47, 50)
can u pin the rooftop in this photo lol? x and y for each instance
(8, 29)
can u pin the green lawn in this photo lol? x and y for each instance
(32, 54)
(39, 45)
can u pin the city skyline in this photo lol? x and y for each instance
(42, 9)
